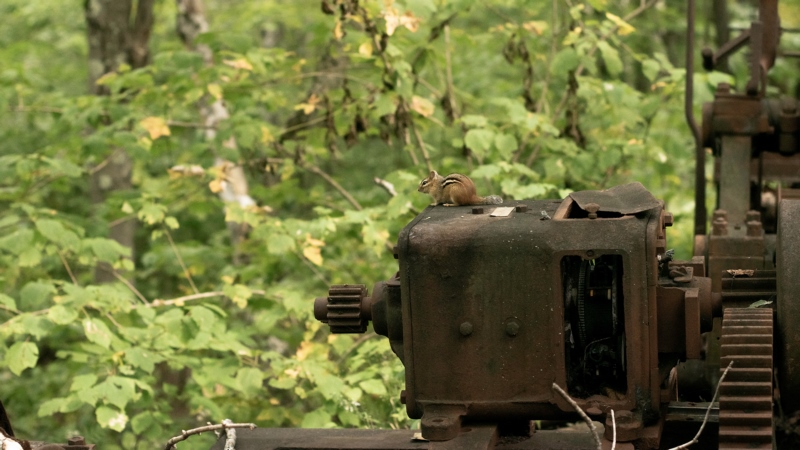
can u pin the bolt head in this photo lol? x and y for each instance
(512, 328)
(465, 329)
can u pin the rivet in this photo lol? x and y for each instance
(512, 328)
(521, 208)
(465, 329)
(477, 210)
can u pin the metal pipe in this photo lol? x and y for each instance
(699, 151)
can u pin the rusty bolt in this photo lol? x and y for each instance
(590, 253)
(465, 329)
(477, 210)
(788, 106)
(723, 88)
(753, 215)
(394, 252)
(521, 208)
(754, 228)
(592, 209)
(719, 227)
(512, 328)
(403, 396)
(76, 440)
(720, 213)
(669, 219)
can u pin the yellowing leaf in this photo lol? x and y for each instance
(310, 105)
(423, 106)
(156, 126)
(304, 350)
(395, 20)
(624, 27)
(215, 185)
(240, 63)
(215, 90)
(313, 254)
(536, 26)
(365, 49)
(266, 136)
(338, 32)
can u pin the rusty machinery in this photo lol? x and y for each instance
(491, 306)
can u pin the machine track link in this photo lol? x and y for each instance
(745, 403)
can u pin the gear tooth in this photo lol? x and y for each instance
(745, 403)
(344, 309)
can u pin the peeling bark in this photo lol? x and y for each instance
(190, 22)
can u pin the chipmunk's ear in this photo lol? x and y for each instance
(432, 174)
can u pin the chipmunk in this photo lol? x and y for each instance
(454, 190)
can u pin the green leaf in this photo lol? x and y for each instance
(474, 121)
(760, 303)
(22, 355)
(141, 422)
(318, 418)
(50, 407)
(651, 68)
(238, 293)
(30, 257)
(107, 250)
(330, 386)
(141, 358)
(18, 241)
(34, 295)
(611, 58)
(62, 315)
(507, 144)
(279, 244)
(97, 332)
(250, 380)
(82, 382)
(479, 140)
(7, 301)
(54, 231)
(282, 383)
(111, 418)
(373, 387)
(564, 61)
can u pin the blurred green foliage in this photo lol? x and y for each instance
(532, 99)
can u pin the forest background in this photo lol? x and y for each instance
(178, 181)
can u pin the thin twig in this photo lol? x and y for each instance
(449, 72)
(180, 260)
(337, 186)
(708, 411)
(121, 220)
(580, 411)
(613, 430)
(310, 265)
(129, 285)
(421, 146)
(223, 426)
(66, 266)
(387, 186)
(180, 300)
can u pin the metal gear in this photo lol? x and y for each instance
(745, 403)
(346, 309)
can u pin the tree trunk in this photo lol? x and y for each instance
(115, 38)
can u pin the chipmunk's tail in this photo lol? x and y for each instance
(491, 200)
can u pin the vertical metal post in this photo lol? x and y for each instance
(699, 151)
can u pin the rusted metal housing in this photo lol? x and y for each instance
(491, 307)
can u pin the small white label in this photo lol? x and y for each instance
(503, 211)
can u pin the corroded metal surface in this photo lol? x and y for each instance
(788, 304)
(745, 403)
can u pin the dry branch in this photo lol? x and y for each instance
(225, 425)
(580, 411)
